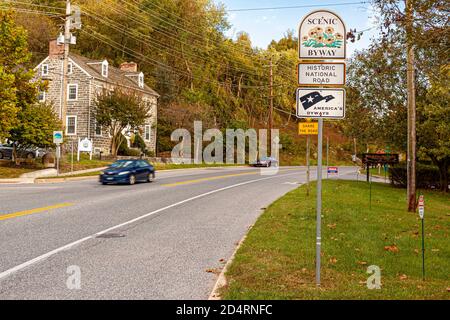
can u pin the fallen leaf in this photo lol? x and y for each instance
(304, 270)
(391, 248)
(416, 251)
(448, 289)
(333, 260)
(363, 263)
(435, 250)
(403, 277)
(331, 226)
(222, 260)
(215, 271)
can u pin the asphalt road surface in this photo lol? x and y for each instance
(148, 241)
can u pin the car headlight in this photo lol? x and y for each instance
(123, 173)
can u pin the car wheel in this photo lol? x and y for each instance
(104, 183)
(132, 179)
(151, 177)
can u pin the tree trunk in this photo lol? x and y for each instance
(443, 175)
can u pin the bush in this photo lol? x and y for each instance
(139, 143)
(427, 176)
(124, 150)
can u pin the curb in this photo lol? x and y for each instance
(221, 280)
(66, 179)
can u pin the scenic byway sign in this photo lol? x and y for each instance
(320, 103)
(322, 36)
(321, 74)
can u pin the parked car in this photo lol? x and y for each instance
(6, 152)
(266, 162)
(128, 171)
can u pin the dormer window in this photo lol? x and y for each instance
(105, 69)
(141, 80)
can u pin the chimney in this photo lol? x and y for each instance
(54, 49)
(129, 66)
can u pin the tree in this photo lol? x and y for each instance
(118, 111)
(17, 91)
(433, 126)
(35, 126)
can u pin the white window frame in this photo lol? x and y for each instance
(105, 70)
(141, 80)
(70, 68)
(149, 132)
(43, 96)
(45, 68)
(67, 125)
(68, 91)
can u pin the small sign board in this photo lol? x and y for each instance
(84, 145)
(58, 137)
(322, 35)
(333, 170)
(321, 74)
(308, 128)
(421, 206)
(380, 158)
(320, 103)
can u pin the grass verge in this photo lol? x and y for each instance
(10, 170)
(276, 261)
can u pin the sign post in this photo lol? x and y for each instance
(321, 37)
(308, 128)
(421, 208)
(58, 139)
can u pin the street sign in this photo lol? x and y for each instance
(421, 207)
(58, 137)
(319, 103)
(308, 128)
(322, 36)
(380, 158)
(321, 74)
(333, 170)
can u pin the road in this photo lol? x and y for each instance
(148, 241)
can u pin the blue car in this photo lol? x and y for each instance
(128, 171)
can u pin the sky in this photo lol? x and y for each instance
(264, 26)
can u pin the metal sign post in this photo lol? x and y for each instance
(421, 208)
(319, 202)
(321, 37)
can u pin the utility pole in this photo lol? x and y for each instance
(328, 142)
(271, 103)
(67, 38)
(411, 164)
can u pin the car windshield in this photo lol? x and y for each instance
(122, 164)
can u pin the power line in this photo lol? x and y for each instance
(299, 6)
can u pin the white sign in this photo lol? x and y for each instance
(323, 74)
(320, 103)
(421, 207)
(58, 137)
(322, 35)
(84, 145)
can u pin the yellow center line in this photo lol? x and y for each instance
(174, 184)
(32, 211)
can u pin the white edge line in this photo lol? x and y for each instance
(28, 263)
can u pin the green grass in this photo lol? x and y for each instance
(9, 170)
(83, 164)
(277, 259)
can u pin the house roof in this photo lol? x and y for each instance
(115, 75)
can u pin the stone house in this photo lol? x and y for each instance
(86, 80)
